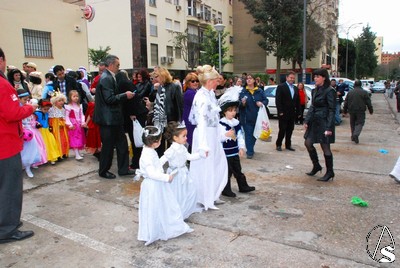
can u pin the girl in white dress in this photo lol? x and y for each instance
(211, 173)
(177, 155)
(160, 217)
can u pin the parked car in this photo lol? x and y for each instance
(270, 92)
(378, 88)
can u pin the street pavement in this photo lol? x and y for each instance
(291, 220)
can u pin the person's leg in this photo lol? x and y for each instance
(122, 150)
(312, 152)
(107, 149)
(326, 148)
(10, 195)
(352, 125)
(249, 139)
(281, 133)
(338, 119)
(358, 125)
(228, 190)
(240, 177)
(288, 133)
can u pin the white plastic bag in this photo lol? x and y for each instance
(262, 129)
(137, 133)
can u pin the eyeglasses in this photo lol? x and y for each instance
(194, 81)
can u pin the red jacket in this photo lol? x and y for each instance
(11, 114)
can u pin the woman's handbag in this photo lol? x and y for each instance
(137, 133)
(262, 129)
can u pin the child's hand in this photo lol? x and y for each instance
(230, 133)
(71, 127)
(241, 152)
(171, 178)
(84, 125)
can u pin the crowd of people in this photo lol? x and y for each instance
(208, 120)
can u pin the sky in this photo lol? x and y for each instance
(382, 16)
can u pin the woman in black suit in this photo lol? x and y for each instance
(320, 123)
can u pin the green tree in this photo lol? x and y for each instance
(189, 46)
(210, 48)
(97, 55)
(343, 43)
(366, 60)
(279, 22)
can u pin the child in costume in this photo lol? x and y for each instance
(30, 153)
(177, 155)
(160, 217)
(57, 123)
(42, 118)
(75, 121)
(93, 140)
(234, 146)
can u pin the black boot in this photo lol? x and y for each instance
(329, 169)
(227, 190)
(243, 186)
(316, 166)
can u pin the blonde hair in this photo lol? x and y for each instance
(206, 72)
(166, 77)
(57, 97)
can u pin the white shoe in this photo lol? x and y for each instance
(52, 162)
(219, 202)
(78, 157)
(213, 208)
(35, 167)
(29, 172)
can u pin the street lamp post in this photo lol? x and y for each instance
(219, 28)
(347, 43)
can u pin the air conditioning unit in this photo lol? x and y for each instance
(199, 15)
(163, 59)
(178, 8)
(170, 60)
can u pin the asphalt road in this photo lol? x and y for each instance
(291, 220)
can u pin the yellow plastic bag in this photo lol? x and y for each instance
(262, 129)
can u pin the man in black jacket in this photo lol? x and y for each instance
(288, 107)
(357, 101)
(108, 115)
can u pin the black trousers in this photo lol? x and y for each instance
(10, 194)
(113, 136)
(286, 127)
(137, 151)
(357, 121)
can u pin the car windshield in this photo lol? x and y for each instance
(270, 91)
(379, 84)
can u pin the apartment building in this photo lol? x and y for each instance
(379, 45)
(250, 58)
(46, 32)
(141, 32)
(389, 57)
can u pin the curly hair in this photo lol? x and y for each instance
(57, 97)
(172, 131)
(150, 136)
(206, 72)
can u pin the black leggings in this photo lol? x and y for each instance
(326, 147)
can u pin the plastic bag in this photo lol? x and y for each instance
(137, 133)
(262, 129)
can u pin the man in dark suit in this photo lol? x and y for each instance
(63, 83)
(288, 106)
(109, 116)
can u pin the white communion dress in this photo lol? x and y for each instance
(160, 216)
(210, 173)
(183, 185)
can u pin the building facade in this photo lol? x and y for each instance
(250, 58)
(389, 57)
(48, 32)
(143, 34)
(378, 52)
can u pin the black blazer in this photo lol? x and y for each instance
(173, 103)
(108, 104)
(290, 107)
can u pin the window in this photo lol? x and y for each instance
(37, 44)
(176, 2)
(152, 3)
(191, 7)
(230, 20)
(177, 26)
(154, 54)
(170, 51)
(178, 53)
(153, 25)
(168, 24)
(168, 1)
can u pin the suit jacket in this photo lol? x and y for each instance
(108, 105)
(290, 107)
(70, 84)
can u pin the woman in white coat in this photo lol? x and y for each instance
(210, 174)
